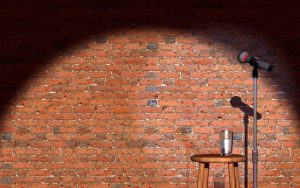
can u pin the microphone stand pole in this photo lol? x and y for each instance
(255, 151)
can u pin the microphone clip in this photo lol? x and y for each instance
(255, 72)
(254, 64)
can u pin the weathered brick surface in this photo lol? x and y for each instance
(122, 93)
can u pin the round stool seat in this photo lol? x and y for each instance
(217, 158)
(204, 161)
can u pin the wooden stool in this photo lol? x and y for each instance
(204, 161)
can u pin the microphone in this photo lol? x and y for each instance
(236, 102)
(244, 57)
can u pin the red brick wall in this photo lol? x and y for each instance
(121, 94)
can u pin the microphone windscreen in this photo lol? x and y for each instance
(242, 57)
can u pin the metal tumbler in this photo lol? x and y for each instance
(226, 142)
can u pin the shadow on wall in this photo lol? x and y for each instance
(35, 32)
(236, 102)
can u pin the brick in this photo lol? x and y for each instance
(135, 143)
(135, 46)
(24, 137)
(150, 143)
(153, 137)
(170, 39)
(151, 89)
(152, 46)
(6, 180)
(152, 102)
(237, 136)
(84, 109)
(168, 136)
(151, 74)
(7, 136)
(169, 102)
(219, 103)
(6, 166)
(38, 173)
(83, 129)
(185, 130)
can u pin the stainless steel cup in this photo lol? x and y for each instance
(226, 138)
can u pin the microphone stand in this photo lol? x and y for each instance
(255, 151)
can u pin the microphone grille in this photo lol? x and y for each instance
(242, 57)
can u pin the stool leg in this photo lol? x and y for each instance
(206, 173)
(236, 175)
(201, 175)
(231, 175)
